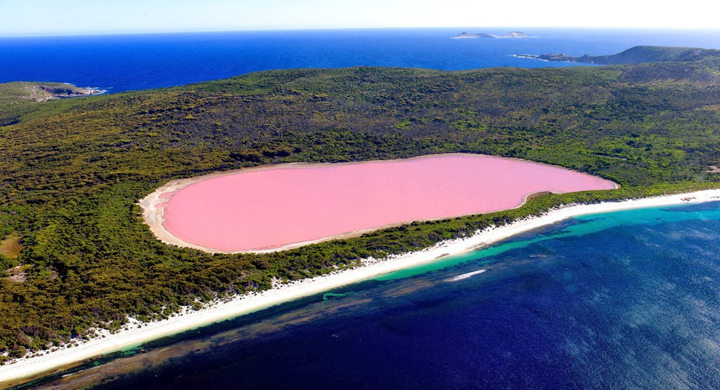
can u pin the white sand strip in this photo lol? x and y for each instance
(284, 293)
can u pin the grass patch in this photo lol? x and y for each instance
(10, 247)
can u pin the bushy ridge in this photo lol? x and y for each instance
(645, 54)
(638, 55)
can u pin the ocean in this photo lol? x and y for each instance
(133, 62)
(622, 300)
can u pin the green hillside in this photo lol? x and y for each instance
(73, 169)
(16, 96)
(640, 55)
(643, 54)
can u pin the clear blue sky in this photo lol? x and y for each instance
(62, 17)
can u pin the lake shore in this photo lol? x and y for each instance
(291, 205)
(138, 333)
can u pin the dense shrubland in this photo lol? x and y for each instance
(72, 170)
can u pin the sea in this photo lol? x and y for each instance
(120, 63)
(623, 300)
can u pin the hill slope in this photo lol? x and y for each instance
(16, 97)
(639, 55)
(39, 92)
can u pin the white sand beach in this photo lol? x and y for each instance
(283, 293)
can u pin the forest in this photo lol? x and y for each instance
(74, 251)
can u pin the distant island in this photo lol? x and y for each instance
(511, 34)
(634, 55)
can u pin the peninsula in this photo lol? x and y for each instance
(634, 55)
(41, 92)
(82, 263)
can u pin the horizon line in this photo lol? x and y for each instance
(299, 29)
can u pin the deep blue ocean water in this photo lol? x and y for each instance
(132, 62)
(626, 300)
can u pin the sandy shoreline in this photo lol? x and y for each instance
(284, 293)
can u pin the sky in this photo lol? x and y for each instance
(80, 17)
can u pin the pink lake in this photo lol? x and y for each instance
(280, 206)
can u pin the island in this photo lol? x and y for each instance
(82, 274)
(511, 35)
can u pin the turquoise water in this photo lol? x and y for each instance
(579, 226)
(625, 300)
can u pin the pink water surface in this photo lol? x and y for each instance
(275, 207)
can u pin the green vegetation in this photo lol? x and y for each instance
(640, 55)
(21, 91)
(15, 98)
(72, 170)
(10, 247)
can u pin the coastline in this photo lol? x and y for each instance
(219, 311)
